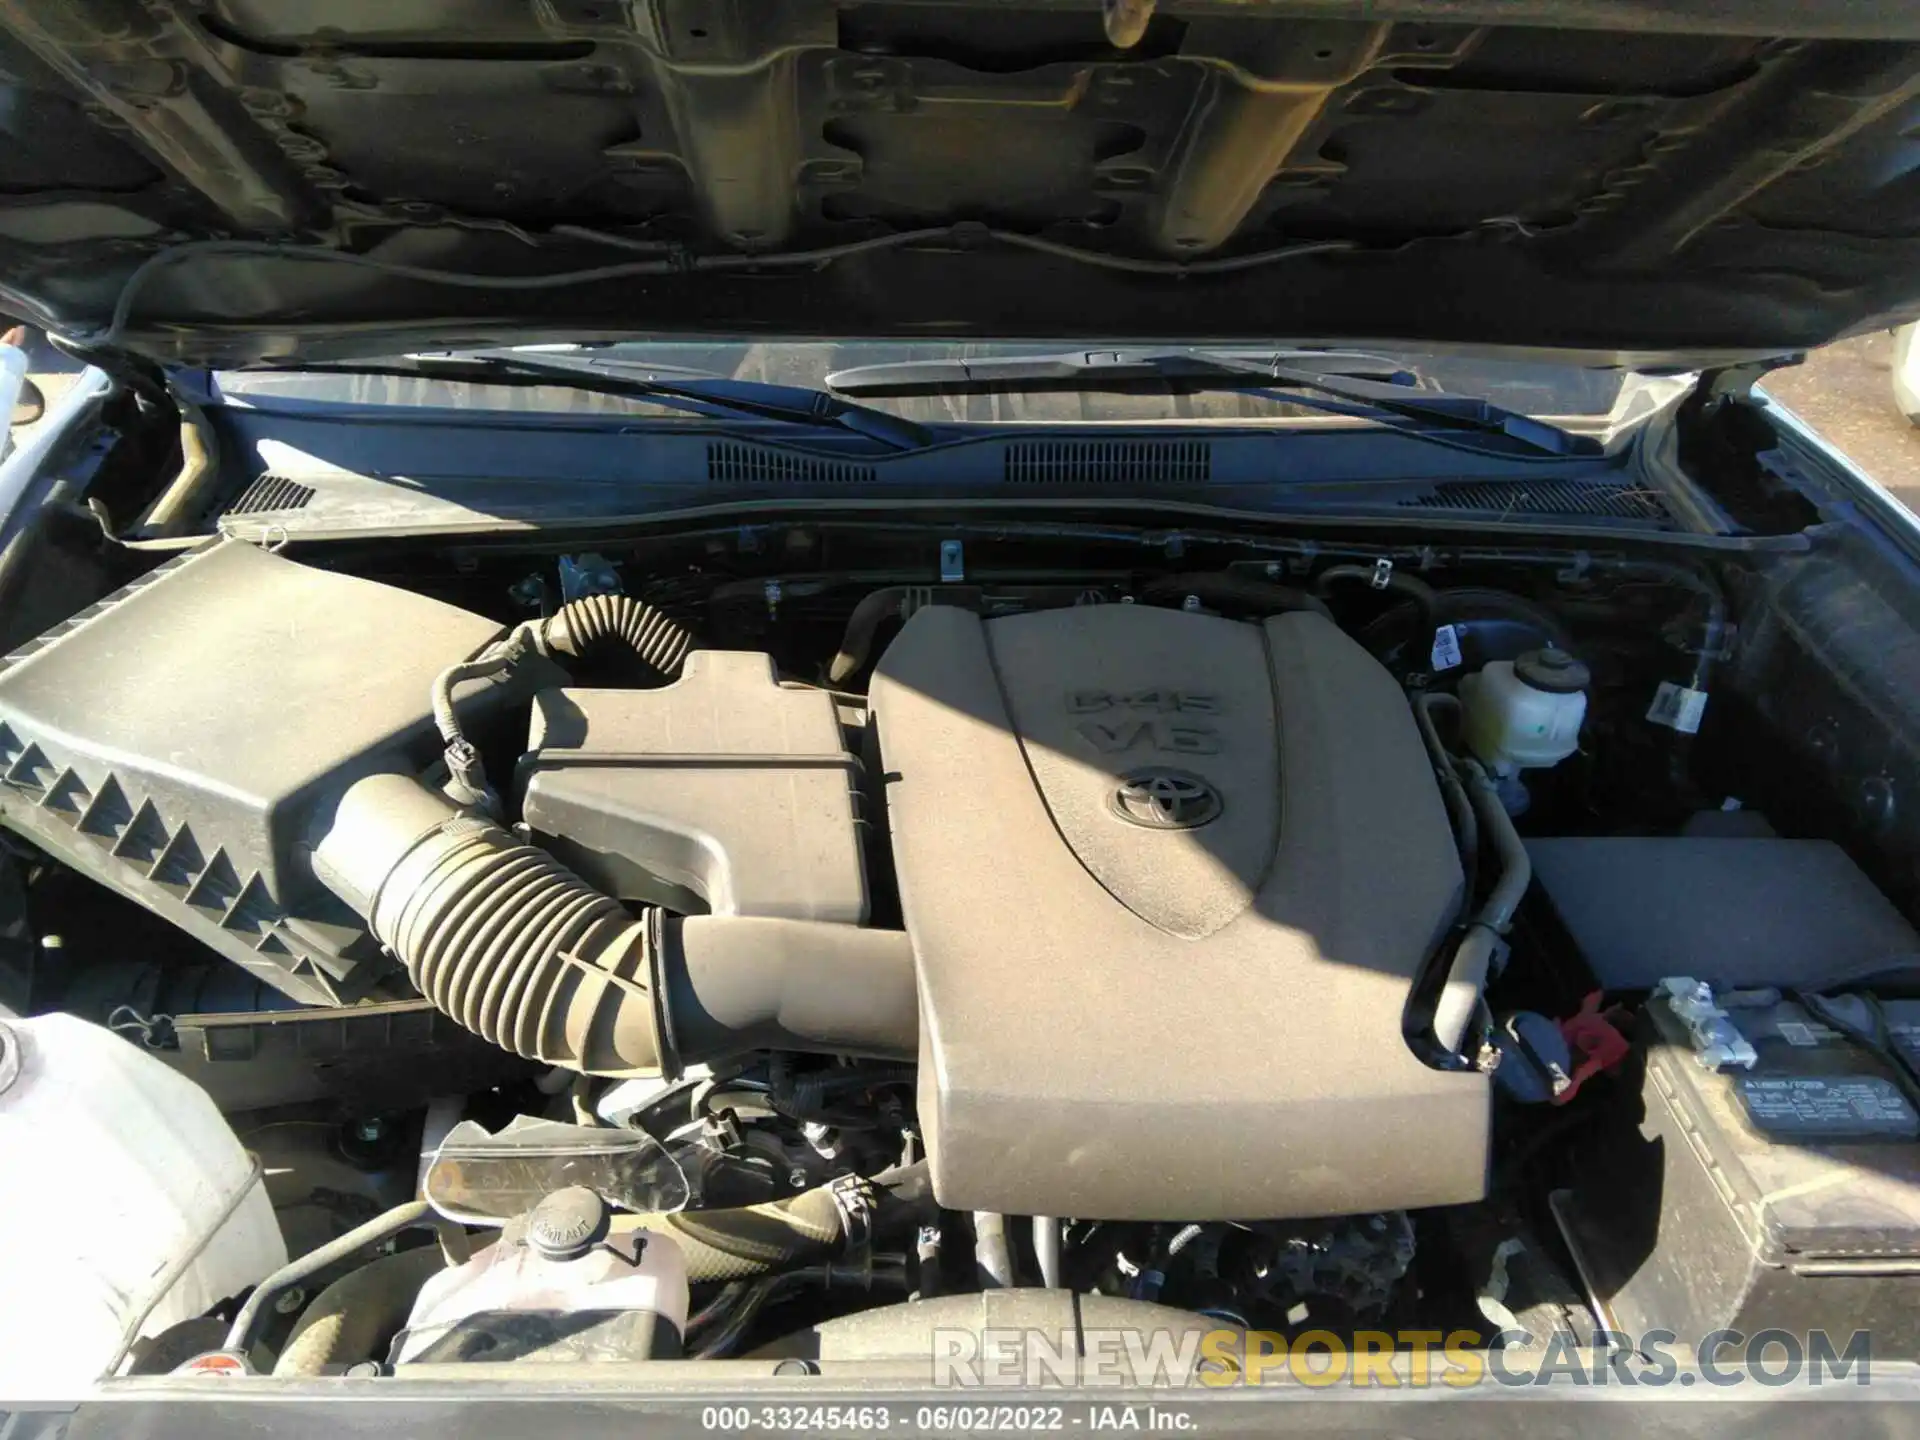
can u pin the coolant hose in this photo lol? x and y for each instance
(521, 951)
(752, 1239)
(1477, 810)
(349, 1318)
(862, 625)
(1466, 821)
(1473, 961)
(1383, 578)
(803, 1229)
(240, 1334)
(876, 607)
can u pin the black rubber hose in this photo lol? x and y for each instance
(1232, 590)
(875, 608)
(1714, 629)
(381, 1227)
(803, 1229)
(753, 1239)
(1472, 602)
(1470, 606)
(1466, 823)
(350, 1316)
(597, 624)
(873, 611)
(740, 1303)
(349, 1319)
(1397, 581)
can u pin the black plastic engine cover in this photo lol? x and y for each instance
(1169, 878)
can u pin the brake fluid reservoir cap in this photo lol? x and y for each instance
(567, 1224)
(1553, 670)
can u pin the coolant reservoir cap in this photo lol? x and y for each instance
(567, 1224)
(1553, 670)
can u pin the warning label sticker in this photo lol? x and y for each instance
(1678, 708)
(1829, 1108)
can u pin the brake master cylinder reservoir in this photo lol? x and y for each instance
(1525, 714)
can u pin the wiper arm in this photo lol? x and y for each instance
(755, 399)
(1346, 382)
(1098, 369)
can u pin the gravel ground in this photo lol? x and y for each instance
(1846, 393)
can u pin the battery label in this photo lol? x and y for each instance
(1828, 1108)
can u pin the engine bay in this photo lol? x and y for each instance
(773, 946)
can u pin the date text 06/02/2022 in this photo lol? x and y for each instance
(982, 1418)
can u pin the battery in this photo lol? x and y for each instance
(1784, 1196)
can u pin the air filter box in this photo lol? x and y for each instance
(180, 740)
(724, 792)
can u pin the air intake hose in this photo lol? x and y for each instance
(524, 953)
(618, 622)
(592, 625)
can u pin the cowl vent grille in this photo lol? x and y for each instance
(1109, 462)
(734, 464)
(269, 493)
(1612, 499)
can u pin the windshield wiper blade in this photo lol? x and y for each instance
(605, 353)
(1097, 369)
(1340, 382)
(754, 399)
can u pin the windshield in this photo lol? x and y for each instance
(1601, 400)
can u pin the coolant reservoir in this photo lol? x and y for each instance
(557, 1287)
(115, 1170)
(1525, 714)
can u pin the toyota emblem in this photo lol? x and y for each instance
(1161, 799)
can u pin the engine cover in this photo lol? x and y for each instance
(1168, 879)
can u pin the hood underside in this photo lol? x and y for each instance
(1636, 177)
